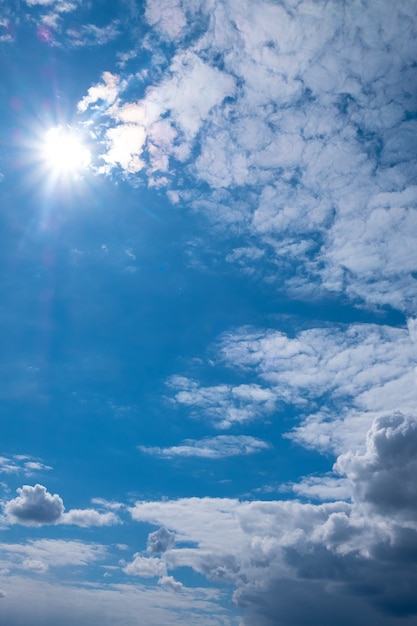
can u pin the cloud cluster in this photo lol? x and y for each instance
(354, 390)
(21, 463)
(301, 114)
(337, 378)
(223, 405)
(357, 556)
(35, 506)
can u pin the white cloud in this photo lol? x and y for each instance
(211, 447)
(21, 463)
(147, 567)
(89, 517)
(169, 582)
(167, 16)
(48, 603)
(354, 373)
(36, 566)
(41, 554)
(107, 91)
(289, 103)
(91, 35)
(42, 2)
(321, 488)
(35, 506)
(126, 143)
(224, 405)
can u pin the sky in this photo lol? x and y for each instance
(208, 312)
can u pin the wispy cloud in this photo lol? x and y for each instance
(21, 463)
(91, 35)
(41, 554)
(218, 447)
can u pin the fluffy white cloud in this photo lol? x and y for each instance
(147, 567)
(169, 582)
(35, 506)
(89, 517)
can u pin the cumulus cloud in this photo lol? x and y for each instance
(169, 582)
(146, 567)
(384, 476)
(35, 506)
(211, 447)
(160, 541)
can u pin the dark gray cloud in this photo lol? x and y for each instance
(305, 602)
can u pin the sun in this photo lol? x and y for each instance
(63, 152)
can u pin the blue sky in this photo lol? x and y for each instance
(208, 312)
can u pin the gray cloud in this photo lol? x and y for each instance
(385, 475)
(355, 556)
(160, 541)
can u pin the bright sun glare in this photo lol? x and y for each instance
(64, 153)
